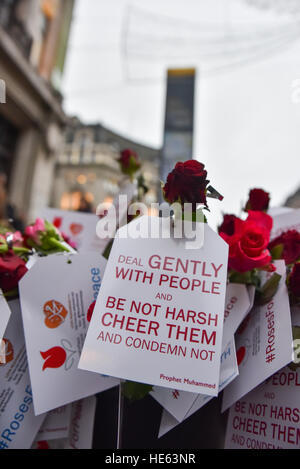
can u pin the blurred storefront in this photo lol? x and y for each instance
(87, 170)
(33, 41)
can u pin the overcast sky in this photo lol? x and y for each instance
(247, 125)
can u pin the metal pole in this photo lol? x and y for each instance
(120, 417)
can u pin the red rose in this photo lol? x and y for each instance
(288, 244)
(249, 241)
(258, 200)
(187, 183)
(129, 162)
(12, 269)
(90, 311)
(228, 225)
(294, 280)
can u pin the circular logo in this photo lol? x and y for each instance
(6, 352)
(55, 314)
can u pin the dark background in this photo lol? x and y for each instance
(141, 420)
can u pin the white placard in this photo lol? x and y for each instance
(79, 227)
(237, 305)
(159, 315)
(269, 416)
(263, 343)
(229, 371)
(81, 428)
(274, 211)
(18, 424)
(82, 424)
(4, 314)
(55, 325)
(56, 425)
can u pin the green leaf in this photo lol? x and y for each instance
(135, 391)
(276, 252)
(248, 278)
(107, 250)
(268, 290)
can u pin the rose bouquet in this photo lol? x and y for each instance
(16, 248)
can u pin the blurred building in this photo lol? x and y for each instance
(33, 41)
(88, 169)
(293, 201)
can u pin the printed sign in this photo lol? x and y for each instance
(4, 314)
(81, 428)
(82, 424)
(239, 301)
(55, 327)
(18, 424)
(269, 416)
(237, 305)
(159, 315)
(56, 425)
(229, 371)
(79, 227)
(263, 343)
(179, 407)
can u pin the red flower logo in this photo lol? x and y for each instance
(76, 228)
(57, 222)
(55, 357)
(240, 355)
(90, 311)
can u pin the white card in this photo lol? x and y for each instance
(156, 338)
(55, 325)
(4, 314)
(268, 417)
(263, 343)
(81, 428)
(18, 424)
(237, 306)
(274, 211)
(229, 371)
(79, 227)
(56, 425)
(82, 424)
(285, 221)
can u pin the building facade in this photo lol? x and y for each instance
(33, 41)
(293, 201)
(88, 169)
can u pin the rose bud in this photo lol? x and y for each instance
(294, 281)
(12, 269)
(187, 183)
(286, 246)
(258, 200)
(129, 162)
